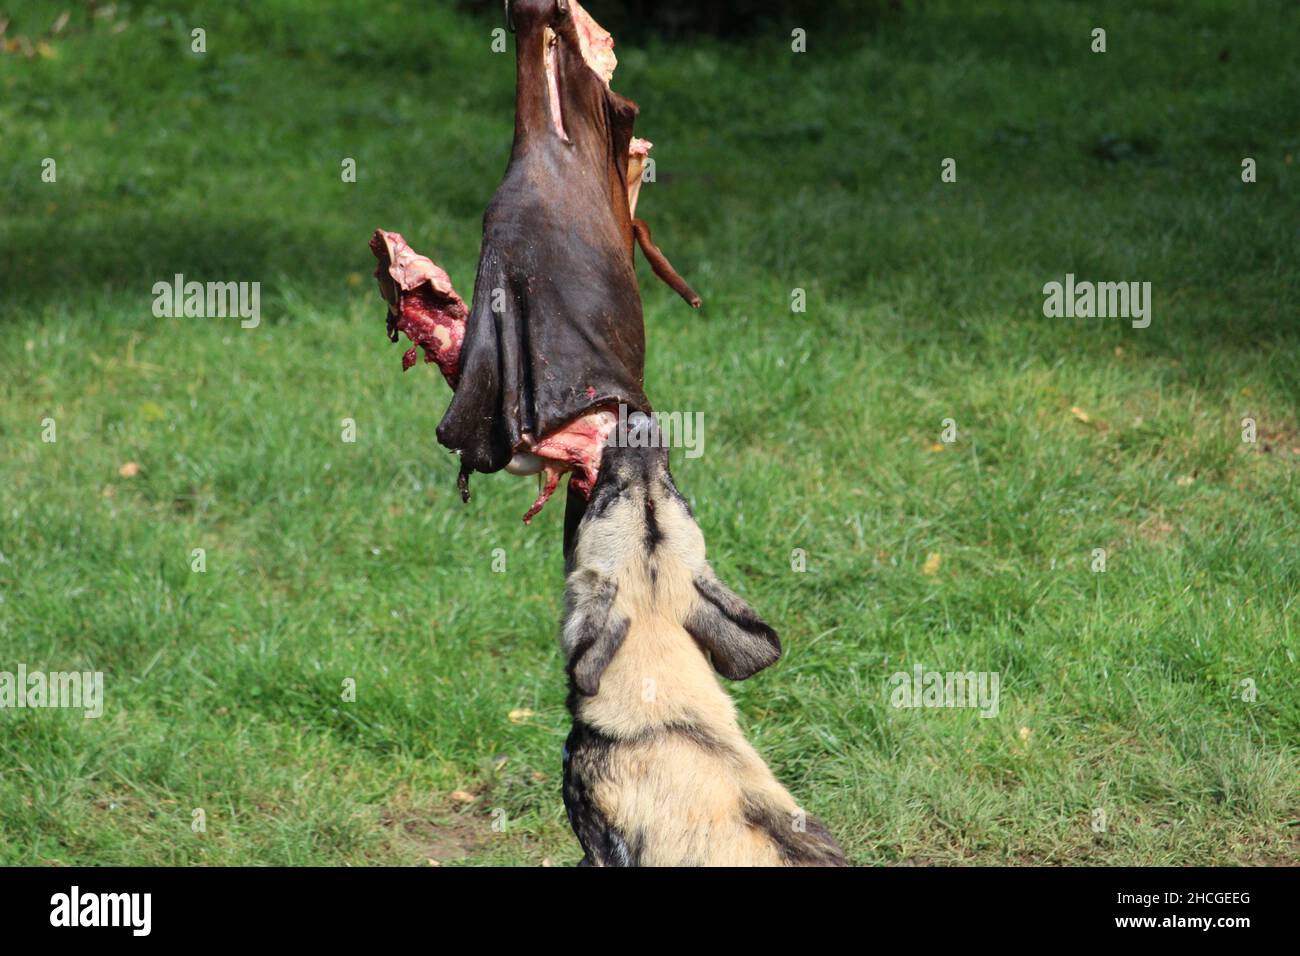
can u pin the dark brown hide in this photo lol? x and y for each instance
(555, 329)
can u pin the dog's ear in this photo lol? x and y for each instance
(593, 630)
(738, 641)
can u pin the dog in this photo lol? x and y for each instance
(656, 769)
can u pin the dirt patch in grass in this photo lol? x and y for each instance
(1155, 528)
(425, 830)
(422, 840)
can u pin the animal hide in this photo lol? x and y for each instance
(554, 341)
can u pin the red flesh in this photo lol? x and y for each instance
(421, 303)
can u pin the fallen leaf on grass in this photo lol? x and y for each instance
(1080, 414)
(129, 470)
(519, 715)
(463, 796)
(932, 562)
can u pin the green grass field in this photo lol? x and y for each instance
(1121, 692)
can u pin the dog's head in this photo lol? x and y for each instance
(638, 533)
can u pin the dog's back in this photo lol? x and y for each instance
(657, 771)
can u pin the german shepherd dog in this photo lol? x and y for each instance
(656, 770)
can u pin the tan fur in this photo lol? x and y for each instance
(681, 802)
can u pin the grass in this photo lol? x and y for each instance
(327, 561)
